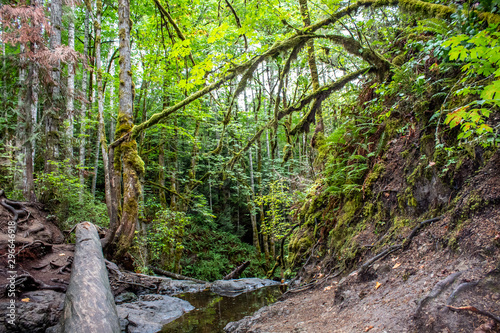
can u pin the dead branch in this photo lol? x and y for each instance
(237, 271)
(173, 275)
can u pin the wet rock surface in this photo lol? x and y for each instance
(173, 287)
(239, 286)
(150, 313)
(40, 310)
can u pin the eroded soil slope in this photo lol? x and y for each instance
(451, 263)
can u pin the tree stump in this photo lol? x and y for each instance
(89, 305)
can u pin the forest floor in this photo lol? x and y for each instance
(406, 292)
(454, 261)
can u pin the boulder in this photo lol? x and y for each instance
(40, 310)
(174, 287)
(126, 297)
(232, 288)
(150, 313)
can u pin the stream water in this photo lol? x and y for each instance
(213, 311)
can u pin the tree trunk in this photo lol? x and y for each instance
(173, 167)
(251, 206)
(70, 90)
(97, 153)
(304, 11)
(121, 234)
(111, 92)
(89, 305)
(21, 128)
(52, 123)
(83, 109)
(100, 108)
(161, 171)
(31, 119)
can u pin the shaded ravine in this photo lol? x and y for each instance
(213, 311)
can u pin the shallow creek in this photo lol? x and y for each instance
(213, 311)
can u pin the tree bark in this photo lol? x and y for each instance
(21, 128)
(126, 157)
(304, 11)
(83, 109)
(52, 122)
(89, 305)
(70, 90)
(100, 107)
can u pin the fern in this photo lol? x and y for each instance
(433, 25)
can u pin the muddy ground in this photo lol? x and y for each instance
(393, 295)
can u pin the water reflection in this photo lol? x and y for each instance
(213, 312)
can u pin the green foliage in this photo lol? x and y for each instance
(60, 192)
(480, 54)
(165, 236)
(277, 202)
(348, 157)
(210, 254)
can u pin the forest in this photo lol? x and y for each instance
(202, 134)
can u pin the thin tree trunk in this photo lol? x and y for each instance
(161, 171)
(97, 153)
(29, 189)
(251, 206)
(53, 114)
(111, 93)
(70, 92)
(83, 110)
(100, 108)
(173, 167)
(21, 130)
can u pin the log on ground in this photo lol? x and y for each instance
(89, 305)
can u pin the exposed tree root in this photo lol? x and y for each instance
(28, 282)
(476, 310)
(437, 290)
(462, 287)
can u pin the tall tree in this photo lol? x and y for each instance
(70, 89)
(126, 160)
(53, 111)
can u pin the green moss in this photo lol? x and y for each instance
(381, 214)
(399, 60)
(411, 200)
(405, 154)
(368, 210)
(350, 210)
(131, 156)
(391, 127)
(417, 173)
(375, 173)
(490, 18)
(415, 6)
(121, 35)
(440, 157)
(400, 223)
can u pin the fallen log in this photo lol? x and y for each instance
(237, 271)
(173, 275)
(89, 305)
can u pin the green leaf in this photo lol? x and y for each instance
(492, 91)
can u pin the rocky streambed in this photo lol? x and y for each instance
(199, 307)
